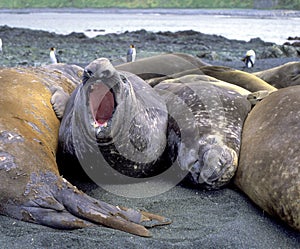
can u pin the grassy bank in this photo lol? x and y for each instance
(285, 4)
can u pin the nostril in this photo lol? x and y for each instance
(89, 73)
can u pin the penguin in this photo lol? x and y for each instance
(53, 57)
(249, 58)
(131, 53)
(0, 45)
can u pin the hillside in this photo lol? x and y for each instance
(275, 4)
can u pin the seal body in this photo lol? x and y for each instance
(237, 77)
(118, 118)
(161, 65)
(282, 76)
(205, 127)
(269, 165)
(31, 187)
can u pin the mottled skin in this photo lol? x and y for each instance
(118, 120)
(190, 78)
(269, 166)
(237, 77)
(205, 129)
(282, 76)
(31, 187)
(162, 65)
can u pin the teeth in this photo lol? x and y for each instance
(95, 124)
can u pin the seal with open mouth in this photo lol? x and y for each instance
(114, 124)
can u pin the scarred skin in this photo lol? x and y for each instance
(208, 116)
(207, 148)
(119, 117)
(31, 187)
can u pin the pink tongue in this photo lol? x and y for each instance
(105, 109)
(101, 103)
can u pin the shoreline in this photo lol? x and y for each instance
(259, 13)
(28, 47)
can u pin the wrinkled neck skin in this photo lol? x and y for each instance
(118, 114)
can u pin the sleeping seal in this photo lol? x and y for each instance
(237, 77)
(269, 166)
(162, 65)
(282, 76)
(205, 127)
(31, 187)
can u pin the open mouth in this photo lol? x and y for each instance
(102, 104)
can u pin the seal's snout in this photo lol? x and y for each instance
(219, 166)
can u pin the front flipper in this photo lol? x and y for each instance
(54, 202)
(59, 100)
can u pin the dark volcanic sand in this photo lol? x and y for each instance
(201, 219)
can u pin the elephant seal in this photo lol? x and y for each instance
(205, 129)
(192, 78)
(161, 65)
(31, 188)
(237, 77)
(269, 166)
(117, 120)
(282, 76)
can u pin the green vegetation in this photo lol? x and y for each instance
(279, 4)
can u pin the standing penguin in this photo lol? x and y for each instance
(53, 57)
(249, 58)
(0, 45)
(131, 53)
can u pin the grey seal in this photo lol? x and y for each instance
(204, 130)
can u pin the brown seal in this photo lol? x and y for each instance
(162, 65)
(269, 165)
(282, 76)
(31, 188)
(237, 77)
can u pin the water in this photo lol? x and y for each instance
(272, 26)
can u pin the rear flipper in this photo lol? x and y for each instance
(56, 203)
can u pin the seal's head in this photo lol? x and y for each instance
(116, 116)
(98, 69)
(219, 166)
(104, 89)
(214, 165)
